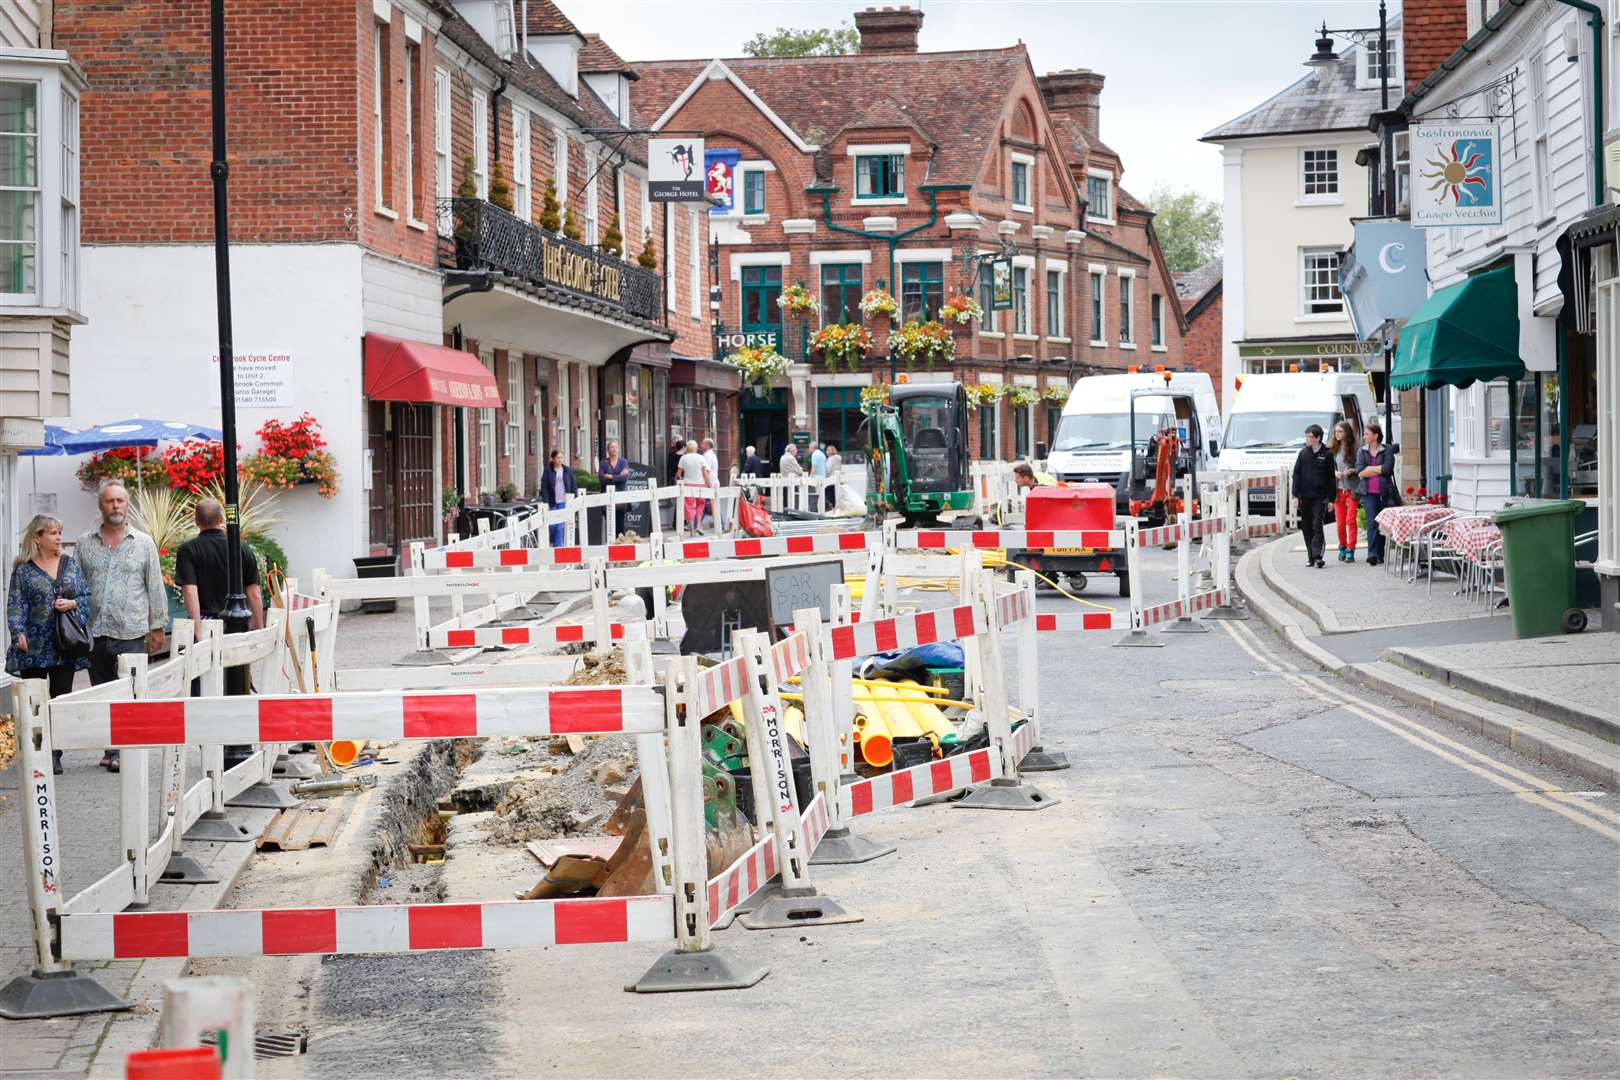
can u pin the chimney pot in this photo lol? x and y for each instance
(889, 29)
(1076, 93)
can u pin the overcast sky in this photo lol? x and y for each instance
(1175, 68)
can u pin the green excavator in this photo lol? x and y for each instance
(917, 453)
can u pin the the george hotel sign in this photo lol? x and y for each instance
(582, 271)
(1455, 174)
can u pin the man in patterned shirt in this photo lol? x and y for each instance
(129, 608)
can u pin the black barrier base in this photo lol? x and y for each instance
(840, 847)
(216, 828)
(264, 796)
(1007, 795)
(184, 870)
(45, 994)
(1186, 626)
(1040, 759)
(710, 969)
(779, 908)
(1236, 611)
(1138, 639)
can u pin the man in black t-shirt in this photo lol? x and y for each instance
(201, 573)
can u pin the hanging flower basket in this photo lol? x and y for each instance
(132, 466)
(874, 396)
(961, 310)
(797, 300)
(294, 453)
(982, 394)
(842, 344)
(194, 464)
(929, 342)
(1057, 395)
(761, 365)
(878, 303)
(1022, 397)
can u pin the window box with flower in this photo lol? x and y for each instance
(980, 395)
(1022, 397)
(878, 304)
(961, 310)
(842, 344)
(798, 300)
(1056, 395)
(929, 342)
(293, 453)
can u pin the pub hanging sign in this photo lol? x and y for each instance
(1454, 174)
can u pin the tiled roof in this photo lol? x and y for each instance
(1326, 102)
(1127, 201)
(952, 96)
(546, 17)
(598, 57)
(1194, 284)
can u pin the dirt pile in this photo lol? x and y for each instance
(568, 794)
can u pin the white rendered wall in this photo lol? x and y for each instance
(148, 351)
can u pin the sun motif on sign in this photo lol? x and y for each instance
(1459, 172)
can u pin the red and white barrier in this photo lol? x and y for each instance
(438, 559)
(905, 786)
(1024, 539)
(547, 635)
(1065, 622)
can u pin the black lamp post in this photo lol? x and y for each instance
(1324, 57)
(237, 617)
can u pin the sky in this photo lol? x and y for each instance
(1175, 68)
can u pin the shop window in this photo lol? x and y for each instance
(922, 290)
(761, 287)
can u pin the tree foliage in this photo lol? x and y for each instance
(840, 40)
(1188, 226)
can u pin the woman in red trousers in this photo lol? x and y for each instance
(1343, 449)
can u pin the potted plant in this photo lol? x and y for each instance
(194, 464)
(797, 300)
(962, 310)
(1056, 395)
(133, 466)
(294, 453)
(613, 239)
(500, 192)
(761, 365)
(981, 394)
(842, 343)
(648, 258)
(878, 304)
(929, 342)
(550, 208)
(1022, 397)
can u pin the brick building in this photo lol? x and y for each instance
(897, 169)
(444, 343)
(1200, 294)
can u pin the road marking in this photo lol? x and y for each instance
(1420, 735)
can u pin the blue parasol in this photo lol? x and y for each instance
(132, 432)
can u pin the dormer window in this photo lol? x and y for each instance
(1100, 196)
(1370, 64)
(1023, 166)
(880, 172)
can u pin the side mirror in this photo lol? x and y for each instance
(1214, 448)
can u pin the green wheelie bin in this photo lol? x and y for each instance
(1538, 550)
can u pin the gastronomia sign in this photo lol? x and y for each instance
(1455, 177)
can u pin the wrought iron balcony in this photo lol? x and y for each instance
(478, 235)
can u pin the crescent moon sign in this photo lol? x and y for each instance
(1383, 258)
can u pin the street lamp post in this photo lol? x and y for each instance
(1324, 57)
(236, 615)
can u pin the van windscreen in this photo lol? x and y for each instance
(1273, 430)
(1107, 431)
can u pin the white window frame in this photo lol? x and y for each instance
(559, 164)
(38, 189)
(1403, 172)
(740, 207)
(1108, 177)
(70, 200)
(1156, 313)
(1028, 161)
(592, 198)
(486, 432)
(1024, 315)
(1367, 78)
(514, 417)
(1329, 198)
(1062, 272)
(379, 38)
(857, 151)
(1541, 151)
(695, 225)
(480, 134)
(1306, 254)
(443, 186)
(669, 256)
(1127, 307)
(1099, 303)
(410, 129)
(522, 166)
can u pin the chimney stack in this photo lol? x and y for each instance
(1077, 94)
(889, 30)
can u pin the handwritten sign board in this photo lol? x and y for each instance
(808, 585)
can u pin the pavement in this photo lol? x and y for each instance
(1552, 697)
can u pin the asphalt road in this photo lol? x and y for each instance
(1253, 871)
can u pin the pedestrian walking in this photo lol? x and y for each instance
(128, 607)
(835, 469)
(1343, 448)
(789, 465)
(754, 464)
(556, 484)
(1314, 487)
(694, 473)
(615, 473)
(712, 460)
(1375, 480)
(44, 583)
(677, 448)
(818, 469)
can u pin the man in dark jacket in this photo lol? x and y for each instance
(754, 465)
(1315, 484)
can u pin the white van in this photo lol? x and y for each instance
(1267, 417)
(1093, 438)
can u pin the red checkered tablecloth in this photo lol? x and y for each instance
(1401, 523)
(1470, 535)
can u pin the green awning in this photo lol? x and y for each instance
(1464, 333)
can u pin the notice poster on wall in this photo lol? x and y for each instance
(1454, 179)
(675, 170)
(263, 380)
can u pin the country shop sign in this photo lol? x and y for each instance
(1455, 174)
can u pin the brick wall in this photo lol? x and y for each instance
(145, 119)
(1203, 341)
(395, 227)
(1431, 31)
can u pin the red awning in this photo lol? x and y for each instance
(412, 371)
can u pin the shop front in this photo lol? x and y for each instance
(703, 403)
(634, 392)
(1593, 246)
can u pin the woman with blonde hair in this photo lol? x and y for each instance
(1343, 448)
(44, 581)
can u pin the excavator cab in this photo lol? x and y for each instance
(918, 452)
(1153, 488)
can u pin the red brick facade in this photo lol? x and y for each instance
(1431, 30)
(1202, 341)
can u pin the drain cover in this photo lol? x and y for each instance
(275, 1044)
